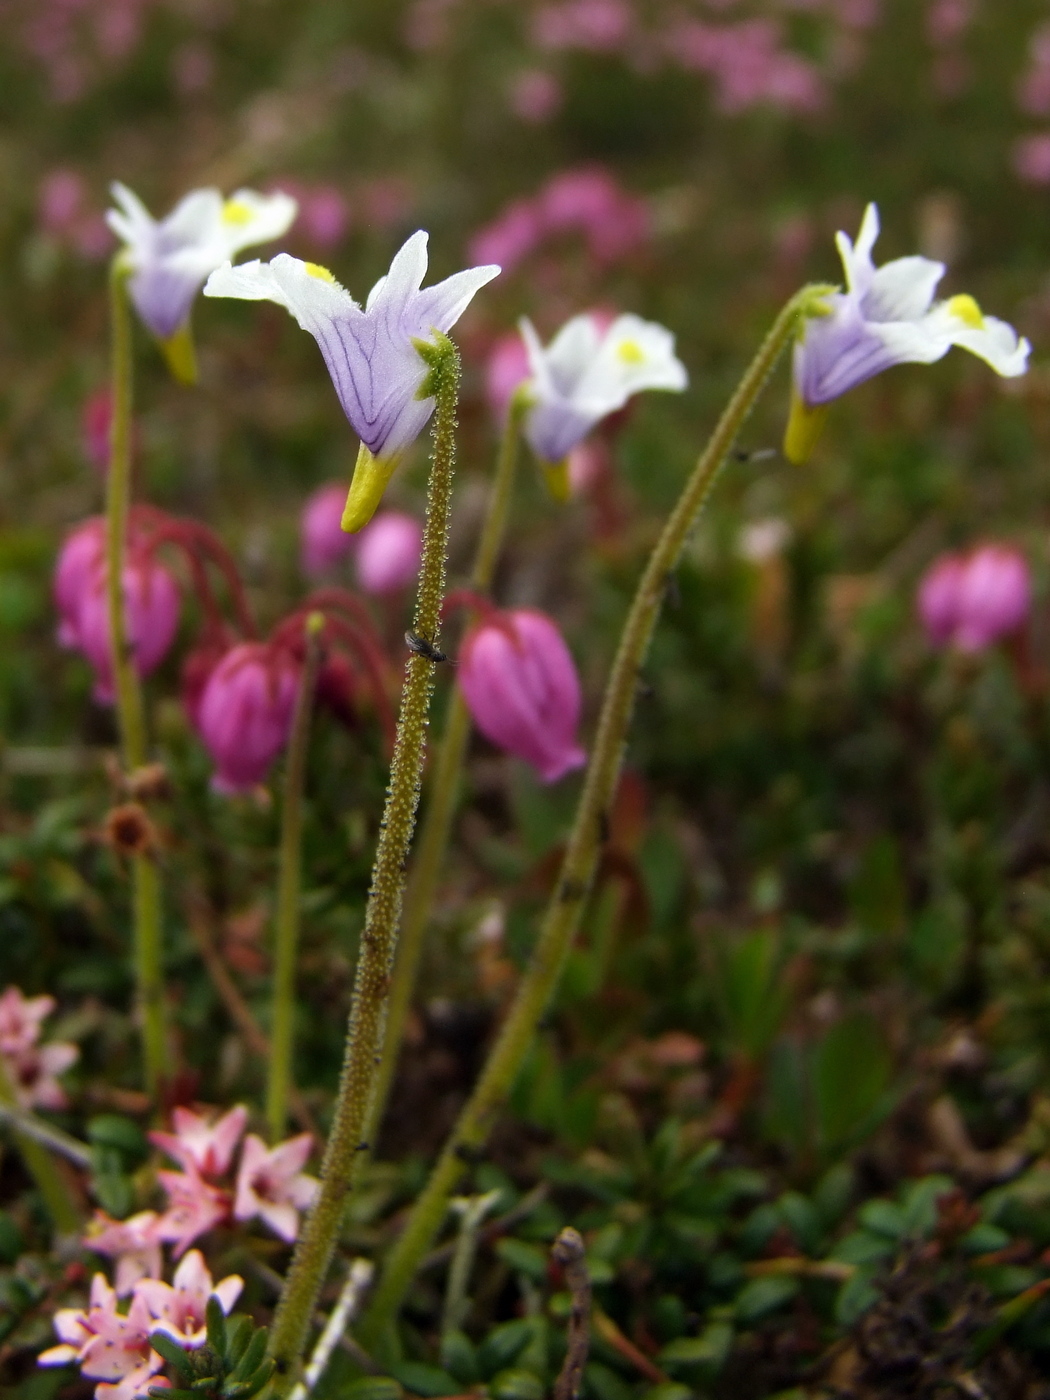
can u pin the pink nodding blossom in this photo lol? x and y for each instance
(389, 551)
(110, 1347)
(133, 1243)
(972, 601)
(272, 1185)
(323, 543)
(535, 96)
(179, 1307)
(245, 714)
(151, 601)
(1031, 158)
(202, 1140)
(520, 684)
(600, 26)
(507, 366)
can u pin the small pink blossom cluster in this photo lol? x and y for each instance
(587, 200)
(32, 1068)
(970, 601)
(269, 1185)
(64, 213)
(77, 41)
(1031, 153)
(113, 1347)
(386, 552)
(749, 64)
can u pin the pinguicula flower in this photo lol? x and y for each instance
(371, 352)
(587, 372)
(272, 1185)
(245, 714)
(151, 603)
(168, 260)
(971, 601)
(521, 687)
(886, 316)
(389, 551)
(323, 543)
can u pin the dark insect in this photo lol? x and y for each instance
(757, 454)
(421, 647)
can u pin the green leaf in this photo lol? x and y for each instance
(215, 1319)
(708, 1350)
(503, 1345)
(764, 1295)
(372, 1388)
(754, 996)
(166, 1346)
(253, 1355)
(459, 1357)
(515, 1384)
(602, 1383)
(855, 1297)
(850, 1080)
(428, 1381)
(527, 1259)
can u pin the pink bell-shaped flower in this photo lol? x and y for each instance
(322, 540)
(520, 684)
(972, 601)
(389, 551)
(245, 714)
(151, 605)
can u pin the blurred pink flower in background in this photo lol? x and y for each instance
(1031, 158)
(748, 63)
(272, 1185)
(386, 202)
(31, 1067)
(21, 1020)
(202, 1140)
(388, 552)
(602, 26)
(323, 542)
(133, 1243)
(95, 419)
(151, 601)
(507, 366)
(324, 217)
(520, 685)
(948, 20)
(1033, 91)
(510, 237)
(245, 714)
(971, 601)
(64, 214)
(535, 95)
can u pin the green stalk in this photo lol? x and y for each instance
(444, 784)
(42, 1168)
(364, 1041)
(289, 873)
(145, 879)
(581, 855)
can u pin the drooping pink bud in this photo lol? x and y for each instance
(520, 684)
(151, 604)
(323, 543)
(972, 601)
(245, 714)
(389, 551)
(507, 367)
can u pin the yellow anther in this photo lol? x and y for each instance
(967, 310)
(630, 352)
(321, 273)
(235, 211)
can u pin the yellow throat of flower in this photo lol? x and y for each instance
(967, 310)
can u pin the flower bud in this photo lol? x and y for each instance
(520, 684)
(323, 542)
(151, 606)
(245, 714)
(970, 602)
(389, 552)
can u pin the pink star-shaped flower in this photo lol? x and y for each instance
(194, 1206)
(271, 1185)
(180, 1307)
(132, 1242)
(201, 1141)
(111, 1347)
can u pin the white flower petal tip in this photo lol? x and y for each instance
(167, 260)
(589, 371)
(887, 316)
(370, 480)
(804, 428)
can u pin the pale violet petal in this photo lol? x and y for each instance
(133, 222)
(553, 427)
(441, 306)
(195, 220)
(856, 259)
(534, 354)
(406, 273)
(902, 290)
(571, 352)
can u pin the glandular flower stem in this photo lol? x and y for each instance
(347, 1143)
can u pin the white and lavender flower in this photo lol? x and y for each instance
(168, 259)
(370, 352)
(588, 371)
(886, 316)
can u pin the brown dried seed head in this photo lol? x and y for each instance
(128, 829)
(149, 783)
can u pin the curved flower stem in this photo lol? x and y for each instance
(444, 784)
(286, 940)
(41, 1166)
(364, 1039)
(145, 879)
(581, 855)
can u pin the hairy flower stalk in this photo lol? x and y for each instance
(145, 879)
(584, 847)
(364, 1043)
(286, 940)
(444, 785)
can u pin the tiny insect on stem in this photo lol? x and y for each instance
(421, 647)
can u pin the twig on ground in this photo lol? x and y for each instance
(59, 1142)
(361, 1271)
(495, 1229)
